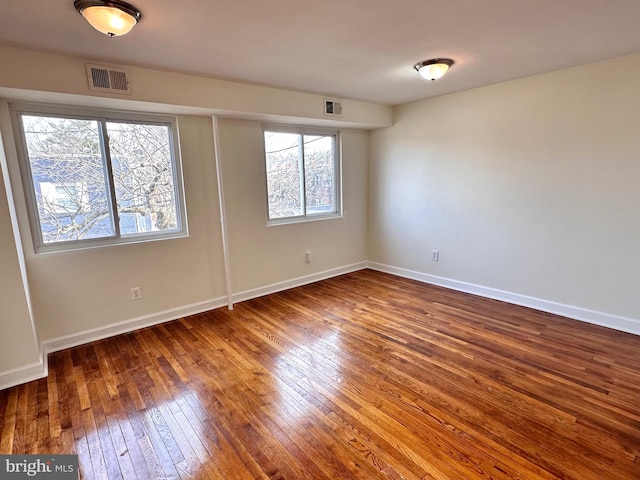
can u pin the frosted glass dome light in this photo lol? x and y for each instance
(111, 17)
(433, 69)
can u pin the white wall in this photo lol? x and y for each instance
(530, 186)
(18, 339)
(262, 255)
(82, 295)
(88, 289)
(79, 291)
(40, 76)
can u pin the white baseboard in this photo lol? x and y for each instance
(624, 324)
(38, 370)
(16, 376)
(35, 371)
(297, 282)
(92, 335)
(126, 326)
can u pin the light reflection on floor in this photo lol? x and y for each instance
(314, 365)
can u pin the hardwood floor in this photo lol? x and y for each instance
(362, 376)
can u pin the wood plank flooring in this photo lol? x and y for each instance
(363, 376)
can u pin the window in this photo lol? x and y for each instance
(95, 180)
(302, 168)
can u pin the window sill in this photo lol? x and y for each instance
(79, 246)
(302, 219)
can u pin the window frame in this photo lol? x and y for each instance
(102, 117)
(337, 173)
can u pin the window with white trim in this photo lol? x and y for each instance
(94, 178)
(303, 174)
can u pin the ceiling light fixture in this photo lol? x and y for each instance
(111, 17)
(433, 69)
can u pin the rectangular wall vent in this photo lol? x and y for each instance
(332, 107)
(108, 79)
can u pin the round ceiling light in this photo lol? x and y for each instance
(111, 17)
(433, 69)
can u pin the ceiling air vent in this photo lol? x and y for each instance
(332, 107)
(108, 79)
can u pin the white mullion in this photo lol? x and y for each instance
(337, 173)
(106, 152)
(303, 182)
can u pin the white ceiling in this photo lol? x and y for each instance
(358, 49)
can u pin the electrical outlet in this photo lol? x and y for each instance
(136, 293)
(435, 255)
(307, 257)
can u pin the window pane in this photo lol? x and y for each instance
(318, 174)
(143, 177)
(68, 178)
(284, 174)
